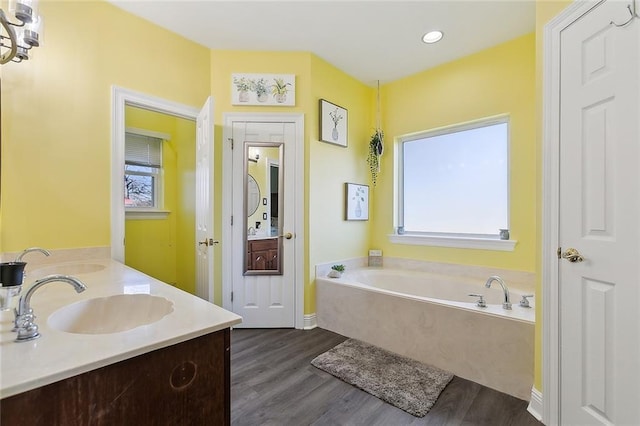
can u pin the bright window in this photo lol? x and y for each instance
(143, 172)
(455, 181)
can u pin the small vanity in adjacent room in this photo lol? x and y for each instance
(262, 254)
(90, 366)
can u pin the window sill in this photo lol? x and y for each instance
(141, 214)
(454, 242)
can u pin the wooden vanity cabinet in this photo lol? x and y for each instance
(184, 384)
(262, 255)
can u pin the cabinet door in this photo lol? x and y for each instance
(272, 256)
(260, 259)
(184, 384)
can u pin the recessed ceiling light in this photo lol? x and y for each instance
(432, 37)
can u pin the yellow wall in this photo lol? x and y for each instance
(495, 81)
(327, 167)
(56, 142)
(150, 244)
(67, 86)
(185, 136)
(330, 166)
(164, 248)
(56, 169)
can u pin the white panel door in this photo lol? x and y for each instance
(264, 300)
(204, 202)
(600, 218)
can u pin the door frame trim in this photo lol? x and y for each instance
(120, 97)
(551, 207)
(227, 190)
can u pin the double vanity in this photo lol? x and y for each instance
(128, 350)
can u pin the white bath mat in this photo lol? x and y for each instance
(403, 382)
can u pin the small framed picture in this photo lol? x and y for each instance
(356, 206)
(333, 123)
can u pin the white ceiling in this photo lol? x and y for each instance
(370, 40)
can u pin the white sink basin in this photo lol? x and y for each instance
(68, 269)
(111, 314)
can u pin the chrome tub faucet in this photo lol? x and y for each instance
(506, 304)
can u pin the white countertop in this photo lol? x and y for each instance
(261, 237)
(58, 355)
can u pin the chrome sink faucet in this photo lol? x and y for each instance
(26, 328)
(507, 299)
(31, 250)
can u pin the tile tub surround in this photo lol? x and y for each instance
(323, 269)
(57, 355)
(518, 280)
(487, 348)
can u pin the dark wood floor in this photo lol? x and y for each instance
(273, 383)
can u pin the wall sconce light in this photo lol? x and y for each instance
(16, 43)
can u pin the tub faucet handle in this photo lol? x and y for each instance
(525, 302)
(480, 303)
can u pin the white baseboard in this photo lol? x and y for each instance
(535, 404)
(310, 321)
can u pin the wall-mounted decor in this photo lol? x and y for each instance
(356, 201)
(263, 89)
(333, 123)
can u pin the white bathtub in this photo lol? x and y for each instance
(442, 289)
(430, 317)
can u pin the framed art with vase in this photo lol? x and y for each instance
(333, 123)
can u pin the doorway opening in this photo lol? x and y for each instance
(159, 196)
(129, 107)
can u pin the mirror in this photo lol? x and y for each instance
(263, 204)
(253, 195)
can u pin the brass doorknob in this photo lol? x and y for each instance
(287, 235)
(572, 255)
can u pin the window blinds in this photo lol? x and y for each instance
(142, 150)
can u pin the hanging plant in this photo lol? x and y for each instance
(376, 147)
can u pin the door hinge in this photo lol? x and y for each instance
(559, 252)
(231, 220)
(231, 140)
(232, 296)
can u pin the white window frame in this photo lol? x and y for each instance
(469, 241)
(157, 211)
